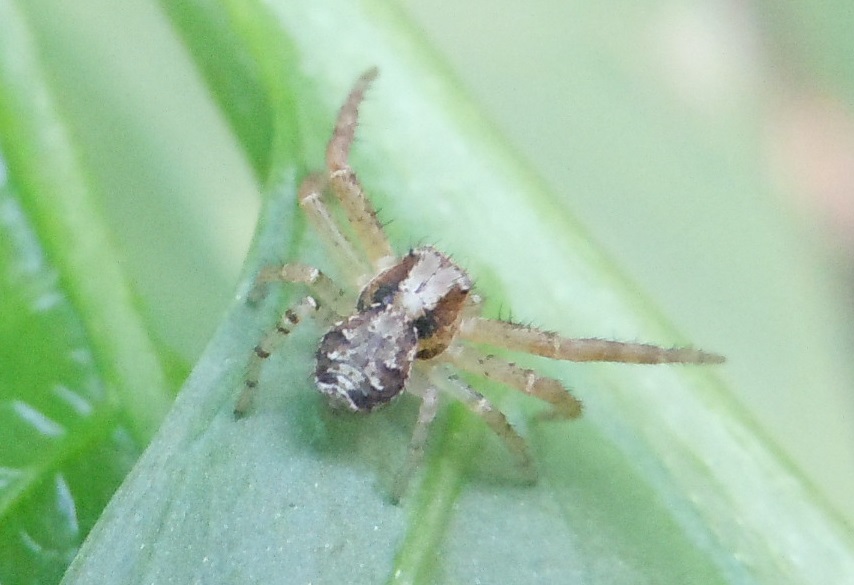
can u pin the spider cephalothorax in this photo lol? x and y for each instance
(415, 318)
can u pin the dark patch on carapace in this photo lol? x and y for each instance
(382, 288)
(436, 329)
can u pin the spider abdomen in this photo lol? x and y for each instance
(364, 361)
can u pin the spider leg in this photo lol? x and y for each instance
(426, 414)
(290, 319)
(564, 404)
(333, 301)
(517, 337)
(333, 296)
(344, 183)
(479, 405)
(311, 201)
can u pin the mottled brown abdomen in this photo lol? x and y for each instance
(364, 361)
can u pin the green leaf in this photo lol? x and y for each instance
(81, 387)
(42, 162)
(63, 449)
(663, 481)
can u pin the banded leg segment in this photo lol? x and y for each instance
(564, 404)
(493, 417)
(551, 345)
(290, 319)
(344, 183)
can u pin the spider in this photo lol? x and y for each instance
(414, 318)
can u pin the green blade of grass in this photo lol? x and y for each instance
(81, 388)
(43, 163)
(63, 447)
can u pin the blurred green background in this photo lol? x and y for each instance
(708, 146)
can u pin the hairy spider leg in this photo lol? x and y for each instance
(311, 201)
(333, 301)
(344, 183)
(493, 417)
(341, 181)
(548, 344)
(564, 405)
